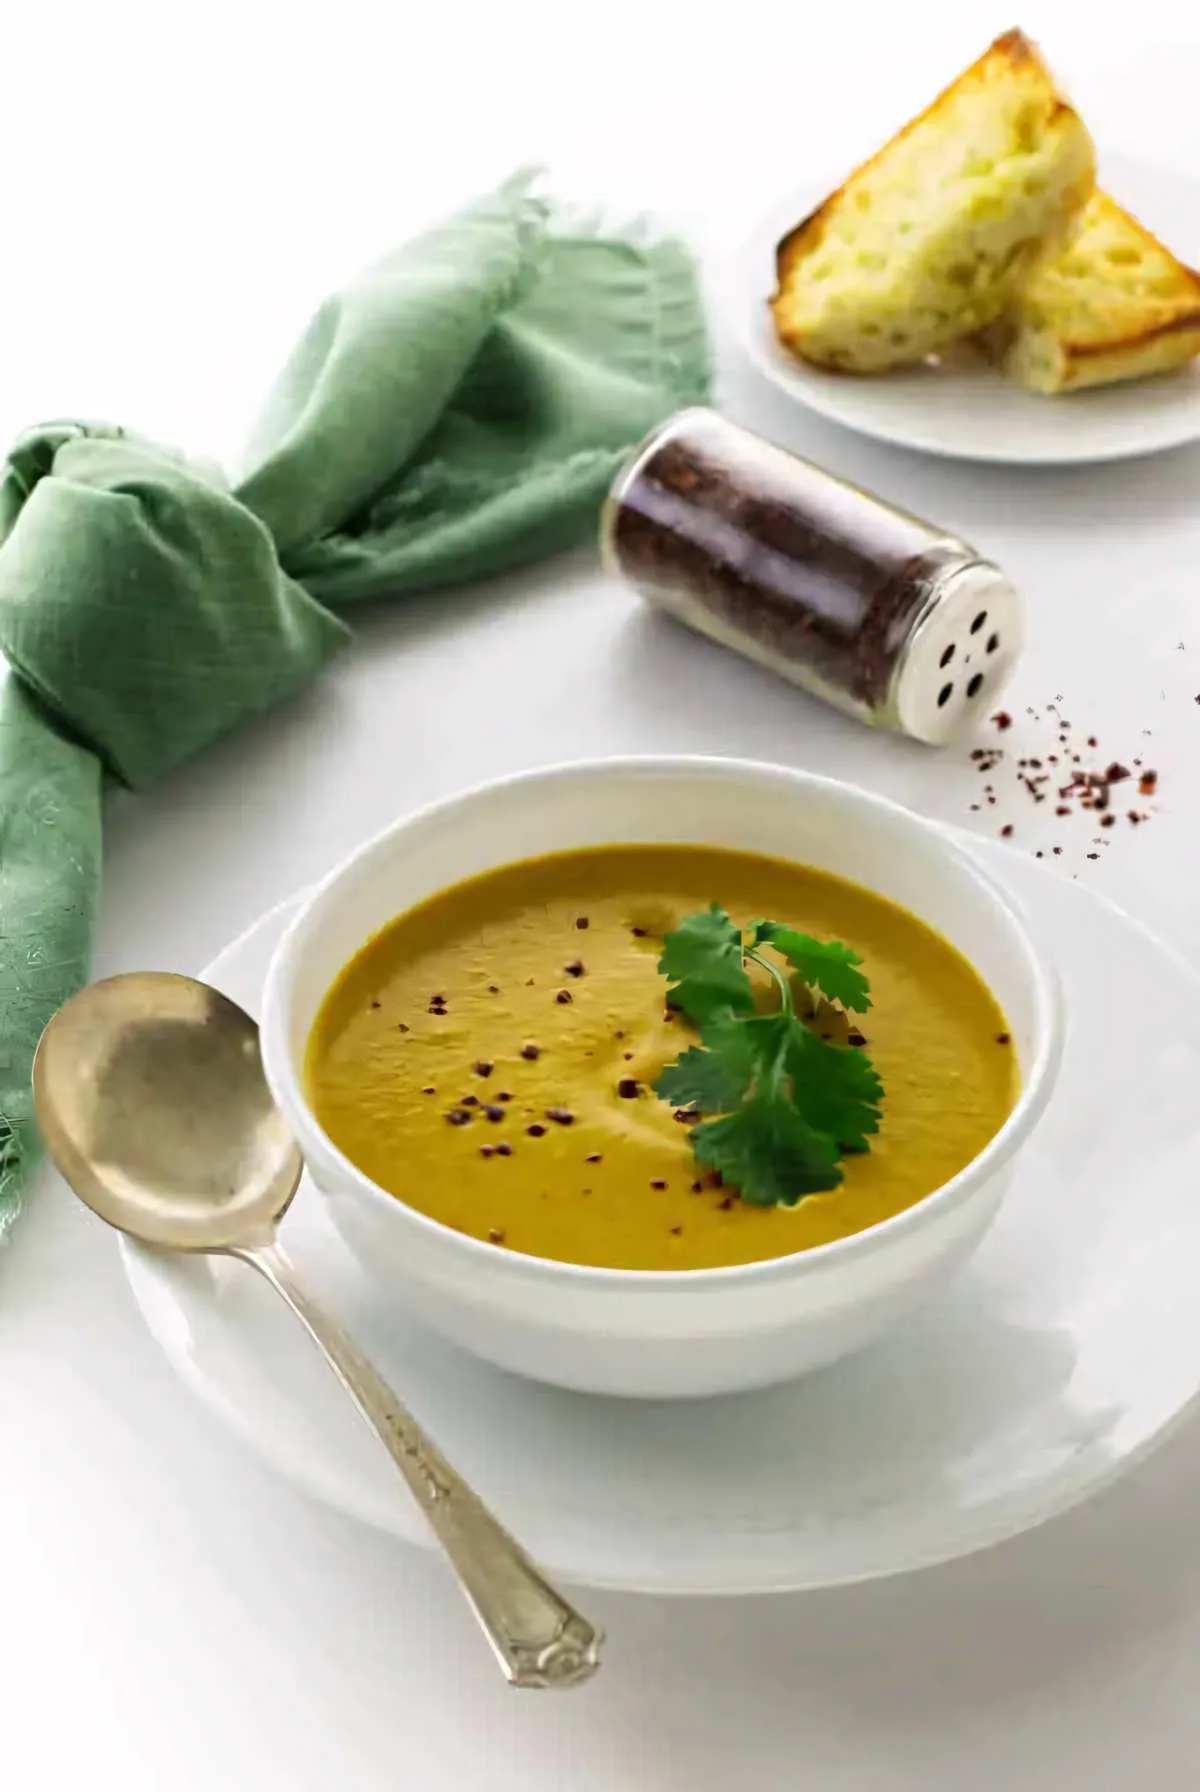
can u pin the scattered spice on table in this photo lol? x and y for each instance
(1075, 786)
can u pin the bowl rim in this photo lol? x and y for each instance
(1037, 1085)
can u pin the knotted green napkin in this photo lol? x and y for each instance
(459, 410)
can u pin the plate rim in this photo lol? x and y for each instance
(1023, 1512)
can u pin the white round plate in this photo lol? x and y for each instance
(970, 411)
(1068, 1347)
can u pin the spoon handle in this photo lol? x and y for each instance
(540, 1639)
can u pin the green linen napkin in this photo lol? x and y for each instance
(458, 410)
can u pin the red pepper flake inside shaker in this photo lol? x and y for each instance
(888, 618)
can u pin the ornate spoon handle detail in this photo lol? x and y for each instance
(539, 1638)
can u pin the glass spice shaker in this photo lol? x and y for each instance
(886, 617)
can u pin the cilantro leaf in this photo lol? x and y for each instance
(824, 965)
(837, 1087)
(768, 1151)
(712, 1077)
(782, 1105)
(734, 1056)
(702, 959)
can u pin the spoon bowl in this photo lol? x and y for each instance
(152, 1102)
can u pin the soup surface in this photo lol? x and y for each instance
(488, 1057)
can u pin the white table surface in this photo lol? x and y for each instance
(181, 184)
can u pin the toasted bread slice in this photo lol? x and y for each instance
(927, 241)
(1113, 305)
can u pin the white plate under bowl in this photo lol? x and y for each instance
(1067, 1347)
(971, 412)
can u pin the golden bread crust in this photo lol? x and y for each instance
(878, 276)
(1115, 304)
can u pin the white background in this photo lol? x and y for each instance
(181, 184)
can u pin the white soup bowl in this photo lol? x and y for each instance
(663, 1333)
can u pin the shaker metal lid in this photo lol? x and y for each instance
(960, 655)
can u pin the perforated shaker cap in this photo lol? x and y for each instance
(960, 655)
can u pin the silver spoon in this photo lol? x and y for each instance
(151, 1099)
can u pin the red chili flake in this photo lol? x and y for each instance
(563, 997)
(1063, 809)
(484, 1067)
(494, 1114)
(1058, 851)
(676, 1231)
(658, 1183)
(468, 1101)
(487, 1151)
(595, 1158)
(495, 1235)
(696, 1187)
(560, 1116)
(685, 1116)
(715, 1179)
(429, 1089)
(1147, 783)
(991, 802)
(582, 922)
(377, 1004)
(535, 1131)
(977, 752)
(1003, 1038)
(437, 1007)
(1052, 759)
(1006, 830)
(493, 989)
(628, 1057)
(1002, 719)
(458, 1117)
(639, 933)
(856, 1038)
(1108, 821)
(1093, 855)
(504, 1149)
(1198, 698)
(575, 968)
(1092, 741)
(726, 1203)
(627, 1089)
(531, 1052)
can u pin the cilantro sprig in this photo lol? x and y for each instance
(781, 1105)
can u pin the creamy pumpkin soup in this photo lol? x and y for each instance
(490, 1056)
